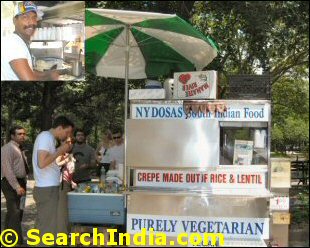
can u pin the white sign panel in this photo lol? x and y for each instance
(202, 180)
(280, 203)
(245, 228)
(147, 94)
(195, 85)
(235, 112)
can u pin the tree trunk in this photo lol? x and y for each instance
(49, 104)
(9, 123)
(96, 134)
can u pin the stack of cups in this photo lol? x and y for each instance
(52, 31)
(58, 33)
(45, 34)
(40, 34)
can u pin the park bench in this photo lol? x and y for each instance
(300, 171)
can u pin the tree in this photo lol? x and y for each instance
(17, 100)
(291, 112)
(38, 103)
(270, 35)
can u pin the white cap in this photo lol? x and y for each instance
(23, 7)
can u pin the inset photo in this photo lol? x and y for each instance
(42, 40)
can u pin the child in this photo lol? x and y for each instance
(67, 164)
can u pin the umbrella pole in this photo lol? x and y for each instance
(126, 101)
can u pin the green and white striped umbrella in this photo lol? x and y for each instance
(136, 45)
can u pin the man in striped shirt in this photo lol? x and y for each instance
(13, 183)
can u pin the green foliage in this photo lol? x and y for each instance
(291, 97)
(256, 34)
(277, 138)
(272, 37)
(291, 112)
(300, 213)
(97, 103)
(296, 130)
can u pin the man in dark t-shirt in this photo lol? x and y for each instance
(85, 158)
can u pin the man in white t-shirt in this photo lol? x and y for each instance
(117, 154)
(47, 172)
(16, 58)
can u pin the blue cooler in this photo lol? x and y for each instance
(96, 208)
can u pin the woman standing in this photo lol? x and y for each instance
(103, 154)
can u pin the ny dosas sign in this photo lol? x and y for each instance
(236, 111)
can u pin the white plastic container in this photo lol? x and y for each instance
(40, 34)
(53, 33)
(144, 94)
(58, 33)
(45, 34)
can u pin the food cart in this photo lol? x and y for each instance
(194, 166)
(193, 162)
(197, 164)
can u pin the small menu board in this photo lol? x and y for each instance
(195, 85)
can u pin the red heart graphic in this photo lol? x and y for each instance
(183, 78)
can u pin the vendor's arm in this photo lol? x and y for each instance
(25, 73)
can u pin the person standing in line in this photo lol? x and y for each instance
(85, 158)
(47, 172)
(103, 153)
(14, 169)
(117, 154)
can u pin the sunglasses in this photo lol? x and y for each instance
(117, 137)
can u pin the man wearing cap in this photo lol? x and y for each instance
(16, 59)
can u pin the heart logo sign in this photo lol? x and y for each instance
(183, 78)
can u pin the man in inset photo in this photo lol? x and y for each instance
(17, 62)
